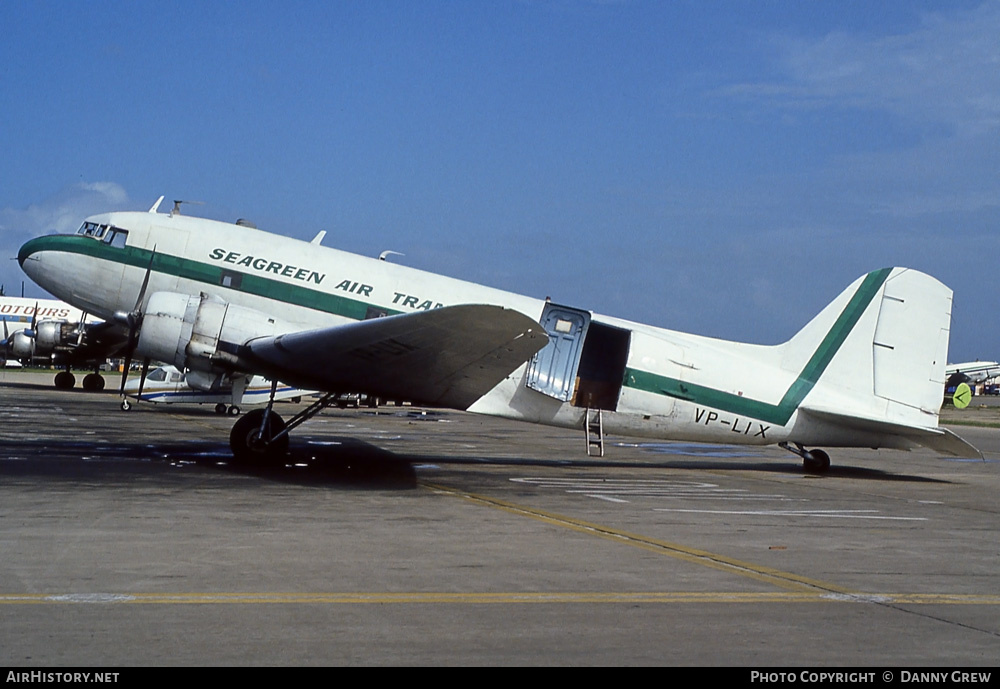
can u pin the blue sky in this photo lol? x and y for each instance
(724, 168)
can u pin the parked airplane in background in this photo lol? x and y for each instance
(167, 385)
(974, 372)
(229, 300)
(55, 333)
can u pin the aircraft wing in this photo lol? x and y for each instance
(447, 357)
(938, 439)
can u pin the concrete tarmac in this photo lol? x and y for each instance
(420, 537)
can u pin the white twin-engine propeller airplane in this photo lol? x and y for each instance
(228, 300)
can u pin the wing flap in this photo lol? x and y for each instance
(446, 357)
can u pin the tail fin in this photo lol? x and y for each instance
(876, 355)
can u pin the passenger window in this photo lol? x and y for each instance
(231, 279)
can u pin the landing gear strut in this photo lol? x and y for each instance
(813, 461)
(261, 436)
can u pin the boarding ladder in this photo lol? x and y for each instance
(594, 425)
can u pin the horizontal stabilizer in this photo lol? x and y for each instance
(935, 438)
(952, 444)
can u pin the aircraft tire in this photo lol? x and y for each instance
(64, 380)
(92, 382)
(244, 440)
(234, 410)
(220, 408)
(125, 405)
(816, 462)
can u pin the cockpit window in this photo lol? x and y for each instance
(158, 375)
(92, 229)
(116, 237)
(109, 234)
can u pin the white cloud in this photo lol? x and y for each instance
(938, 87)
(944, 72)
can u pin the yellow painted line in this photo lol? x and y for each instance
(507, 598)
(769, 575)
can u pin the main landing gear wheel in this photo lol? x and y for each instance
(253, 445)
(65, 380)
(220, 408)
(93, 382)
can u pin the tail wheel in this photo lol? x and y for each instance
(813, 461)
(253, 446)
(816, 462)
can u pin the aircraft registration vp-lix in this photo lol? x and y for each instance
(230, 300)
(56, 333)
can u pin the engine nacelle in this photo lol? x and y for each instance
(49, 335)
(22, 346)
(201, 333)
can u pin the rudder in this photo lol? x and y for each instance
(910, 345)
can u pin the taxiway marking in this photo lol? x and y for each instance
(769, 575)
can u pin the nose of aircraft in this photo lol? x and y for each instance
(31, 256)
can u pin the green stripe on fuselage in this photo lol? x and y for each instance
(765, 411)
(206, 273)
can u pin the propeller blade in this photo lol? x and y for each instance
(81, 329)
(30, 330)
(145, 281)
(128, 364)
(135, 321)
(142, 377)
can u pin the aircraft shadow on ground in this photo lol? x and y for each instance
(715, 465)
(349, 462)
(339, 462)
